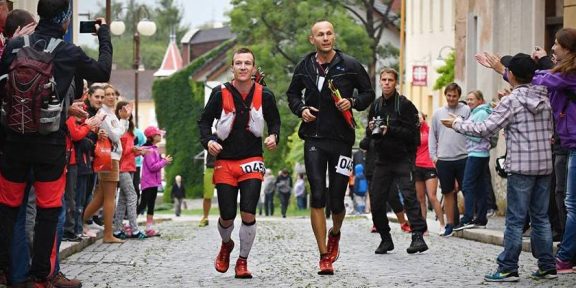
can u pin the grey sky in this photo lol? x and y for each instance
(195, 12)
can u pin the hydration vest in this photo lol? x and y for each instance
(255, 122)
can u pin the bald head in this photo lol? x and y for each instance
(322, 36)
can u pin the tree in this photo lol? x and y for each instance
(446, 72)
(277, 31)
(365, 11)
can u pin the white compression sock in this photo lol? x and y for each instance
(225, 232)
(247, 235)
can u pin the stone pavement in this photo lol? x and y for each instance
(285, 255)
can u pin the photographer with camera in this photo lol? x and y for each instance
(394, 126)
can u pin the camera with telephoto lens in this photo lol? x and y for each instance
(377, 131)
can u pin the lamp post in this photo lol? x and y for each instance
(441, 59)
(144, 27)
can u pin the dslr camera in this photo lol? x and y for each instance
(377, 131)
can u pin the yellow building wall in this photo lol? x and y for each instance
(570, 13)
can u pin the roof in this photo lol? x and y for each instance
(188, 36)
(211, 35)
(172, 61)
(123, 80)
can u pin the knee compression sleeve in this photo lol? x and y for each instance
(247, 235)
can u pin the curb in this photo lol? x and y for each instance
(68, 249)
(487, 236)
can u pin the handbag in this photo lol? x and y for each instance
(102, 155)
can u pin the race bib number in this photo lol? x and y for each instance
(254, 166)
(344, 166)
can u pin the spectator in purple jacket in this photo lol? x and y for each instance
(151, 176)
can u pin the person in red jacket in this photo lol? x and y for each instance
(127, 197)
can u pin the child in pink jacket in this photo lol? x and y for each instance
(151, 176)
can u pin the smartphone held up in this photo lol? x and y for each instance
(89, 26)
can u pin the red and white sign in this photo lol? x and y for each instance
(419, 75)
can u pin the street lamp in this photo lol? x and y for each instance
(144, 27)
(441, 60)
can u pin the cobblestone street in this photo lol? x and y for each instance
(285, 255)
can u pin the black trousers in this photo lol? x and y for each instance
(385, 175)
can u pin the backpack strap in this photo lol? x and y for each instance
(52, 45)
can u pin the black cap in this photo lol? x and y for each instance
(521, 65)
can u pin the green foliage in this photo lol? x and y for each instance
(179, 102)
(277, 31)
(446, 72)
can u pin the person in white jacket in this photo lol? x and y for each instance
(111, 128)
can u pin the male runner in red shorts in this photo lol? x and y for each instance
(241, 107)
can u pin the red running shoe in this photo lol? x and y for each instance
(326, 265)
(333, 243)
(241, 269)
(406, 227)
(222, 261)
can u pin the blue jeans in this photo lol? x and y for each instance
(567, 249)
(475, 189)
(301, 202)
(525, 194)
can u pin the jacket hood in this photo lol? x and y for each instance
(535, 99)
(358, 169)
(483, 107)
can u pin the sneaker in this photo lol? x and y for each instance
(60, 281)
(98, 221)
(223, 259)
(502, 277)
(152, 233)
(138, 235)
(564, 266)
(442, 231)
(128, 230)
(333, 246)
(475, 224)
(461, 226)
(203, 222)
(241, 269)
(386, 244)
(549, 274)
(70, 237)
(325, 265)
(120, 235)
(95, 226)
(406, 227)
(418, 244)
(86, 232)
(490, 213)
(448, 230)
(373, 229)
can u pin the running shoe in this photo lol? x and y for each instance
(151, 233)
(448, 230)
(222, 261)
(406, 227)
(501, 276)
(325, 265)
(333, 246)
(203, 222)
(549, 274)
(241, 269)
(564, 267)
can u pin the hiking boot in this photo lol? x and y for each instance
(385, 245)
(60, 281)
(406, 227)
(203, 222)
(223, 259)
(332, 247)
(325, 265)
(548, 274)
(564, 266)
(418, 244)
(241, 269)
(502, 276)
